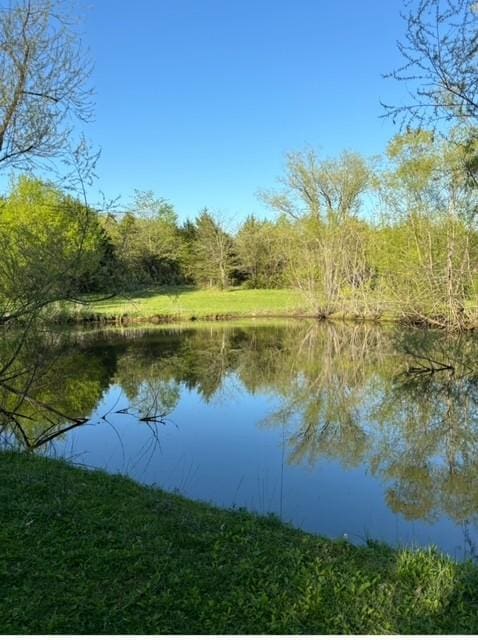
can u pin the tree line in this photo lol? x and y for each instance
(393, 236)
(390, 237)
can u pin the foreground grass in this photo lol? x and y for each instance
(87, 553)
(188, 303)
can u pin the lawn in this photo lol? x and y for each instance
(88, 553)
(188, 303)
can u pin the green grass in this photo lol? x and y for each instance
(87, 553)
(189, 303)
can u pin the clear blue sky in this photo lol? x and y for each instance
(199, 100)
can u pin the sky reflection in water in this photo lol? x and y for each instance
(317, 423)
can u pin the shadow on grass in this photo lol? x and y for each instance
(84, 552)
(152, 291)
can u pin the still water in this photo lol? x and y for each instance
(344, 430)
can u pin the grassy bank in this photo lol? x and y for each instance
(187, 303)
(83, 552)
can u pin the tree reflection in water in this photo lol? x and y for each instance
(404, 403)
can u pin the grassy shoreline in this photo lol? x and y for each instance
(188, 304)
(171, 304)
(84, 552)
(180, 304)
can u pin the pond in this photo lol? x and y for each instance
(346, 430)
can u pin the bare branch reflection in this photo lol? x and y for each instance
(403, 403)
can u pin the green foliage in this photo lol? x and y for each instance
(49, 242)
(214, 259)
(260, 255)
(326, 245)
(416, 260)
(110, 556)
(427, 246)
(147, 242)
(329, 190)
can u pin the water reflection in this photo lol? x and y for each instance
(401, 406)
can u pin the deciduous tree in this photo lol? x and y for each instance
(43, 81)
(439, 52)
